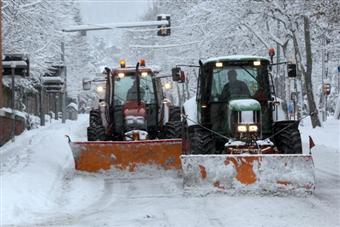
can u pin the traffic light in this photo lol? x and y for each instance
(326, 89)
(164, 30)
(291, 70)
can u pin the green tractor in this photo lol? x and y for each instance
(236, 137)
(236, 111)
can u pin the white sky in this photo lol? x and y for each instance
(111, 11)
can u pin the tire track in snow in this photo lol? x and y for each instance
(76, 217)
(15, 158)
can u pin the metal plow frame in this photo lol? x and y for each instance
(260, 174)
(127, 155)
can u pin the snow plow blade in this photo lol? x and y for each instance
(126, 155)
(260, 174)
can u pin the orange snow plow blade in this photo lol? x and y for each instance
(126, 155)
(249, 173)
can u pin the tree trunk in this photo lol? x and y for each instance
(308, 75)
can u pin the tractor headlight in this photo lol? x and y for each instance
(253, 128)
(242, 128)
(132, 120)
(139, 120)
(100, 89)
(144, 74)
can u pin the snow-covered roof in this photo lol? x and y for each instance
(53, 79)
(132, 69)
(235, 58)
(14, 64)
(19, 82)
(7, 110)
(72, 105)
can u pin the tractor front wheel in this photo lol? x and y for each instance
(173, 129)
(96, 130)
(201, 141)
(288, 138)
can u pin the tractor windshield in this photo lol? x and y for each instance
(233, 82)
(126, 89)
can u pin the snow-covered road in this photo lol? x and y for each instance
(39, 187)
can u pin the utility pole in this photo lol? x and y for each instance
(41, 107)
(277, 61)
(323, 99)
(338, 76)
(13, 65)
(63, 94)
(56, 97)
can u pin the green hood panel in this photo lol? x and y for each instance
(244, 105)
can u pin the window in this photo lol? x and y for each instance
(243, 84)
(126, 89)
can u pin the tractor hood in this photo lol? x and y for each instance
(244, 105)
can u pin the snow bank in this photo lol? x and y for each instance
(32, 170)
(327, 135)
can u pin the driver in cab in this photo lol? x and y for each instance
(234, 87)
(132, 92)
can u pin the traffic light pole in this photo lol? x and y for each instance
(163, 23)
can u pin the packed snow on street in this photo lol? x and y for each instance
(39, 187)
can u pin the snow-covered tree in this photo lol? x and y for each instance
(35, 28)
(201, 29)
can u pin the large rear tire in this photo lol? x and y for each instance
(201, 141)
(174, 113)
(288, 139)
(96, 130)
(173, 129)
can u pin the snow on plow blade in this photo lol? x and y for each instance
(249, 173)
(126, 155)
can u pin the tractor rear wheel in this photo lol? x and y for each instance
(173, 129)
(288, 141)
(96, 130)
(174, 113)
(201, 141)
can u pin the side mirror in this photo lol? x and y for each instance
(86, 84)
(291, 70)
(176, 74)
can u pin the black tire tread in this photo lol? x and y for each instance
(174, 113)
(288, 141)
(201, 141)
(96, 130)
(173, 129)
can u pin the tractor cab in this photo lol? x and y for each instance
(234, 97)
(134, 99)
